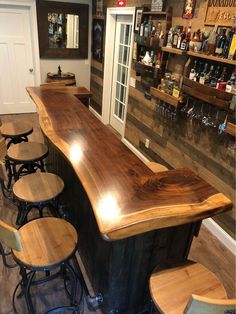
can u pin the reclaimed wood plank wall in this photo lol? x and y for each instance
(175, 144)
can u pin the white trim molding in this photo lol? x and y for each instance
(97, 115)
(220, 234)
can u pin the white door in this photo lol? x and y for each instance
(121, 71)
(16, 60)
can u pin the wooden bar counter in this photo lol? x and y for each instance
(129, 219)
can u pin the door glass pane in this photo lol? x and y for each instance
(127, 34)
(122, 29)
(126, 55)
(118, 90)
(120, 53)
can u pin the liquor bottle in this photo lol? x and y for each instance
(215, 77)
(149, 25)
(193, 71)
(228, 43)
(222, 80)
(209, 75)
(141, 31)
(220, 42)
(232, 48)
(176, 89)
(175, 37)
(199, 71)
(158, 60)
(146, 29)
(152, 35)
(203, 74)
(211, 43)
(188, 38)
(197, 43)
(169, 38)
(231, 83)
(183, 40)
(158, 30)
(180, 38)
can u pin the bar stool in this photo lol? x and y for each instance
(43, 245)
(15, 132)
(189, 288)
(38, 191)
(25, 158)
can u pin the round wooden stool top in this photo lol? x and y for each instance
(38, 187)
(155, 167)
(15, 129)
(171, 288)
(46, 242)
(27, 151)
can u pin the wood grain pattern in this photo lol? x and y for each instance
(10, 236)
(46, 241)
(27, 151)
(171, 289)
(127, 198)
(38, 187)
(15, 129)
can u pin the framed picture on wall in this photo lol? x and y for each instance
(138, 19)
(188, 10)
(97, 40)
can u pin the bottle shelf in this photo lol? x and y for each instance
(231, 129)
(174, 50)
(206, 93)
(171, 100)
(155, 13)
(212, 58)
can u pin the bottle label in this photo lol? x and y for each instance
(228, 88)
(219, 51)
(192, 76)
(202, 80)
(175, 93)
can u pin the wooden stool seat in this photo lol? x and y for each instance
(16, 129)
(38, 187)
(28, 151)
(155, 167)
(172, 288)
(46, 242)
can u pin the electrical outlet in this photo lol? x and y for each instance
(147, 142)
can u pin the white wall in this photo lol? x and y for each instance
(81, 68)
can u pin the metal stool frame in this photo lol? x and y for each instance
(16, 139)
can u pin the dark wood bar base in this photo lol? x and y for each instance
(119, 270)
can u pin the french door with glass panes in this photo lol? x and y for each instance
(121, 72)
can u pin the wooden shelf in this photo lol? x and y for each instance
(231, 129)
(174, 50)
(212, 58)
(206, 93)
(144, 70)
(173, 101)
(155, 13)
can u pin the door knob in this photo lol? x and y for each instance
(31, 70)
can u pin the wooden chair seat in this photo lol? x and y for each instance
(46, 242)
(28, 151)
(155, 167)
(172, 288)
(15, 129)
(38, 187)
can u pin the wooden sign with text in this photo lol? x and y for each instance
(221, 12)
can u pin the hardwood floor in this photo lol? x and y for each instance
(205, 249)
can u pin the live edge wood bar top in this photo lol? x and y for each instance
(126, 196)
